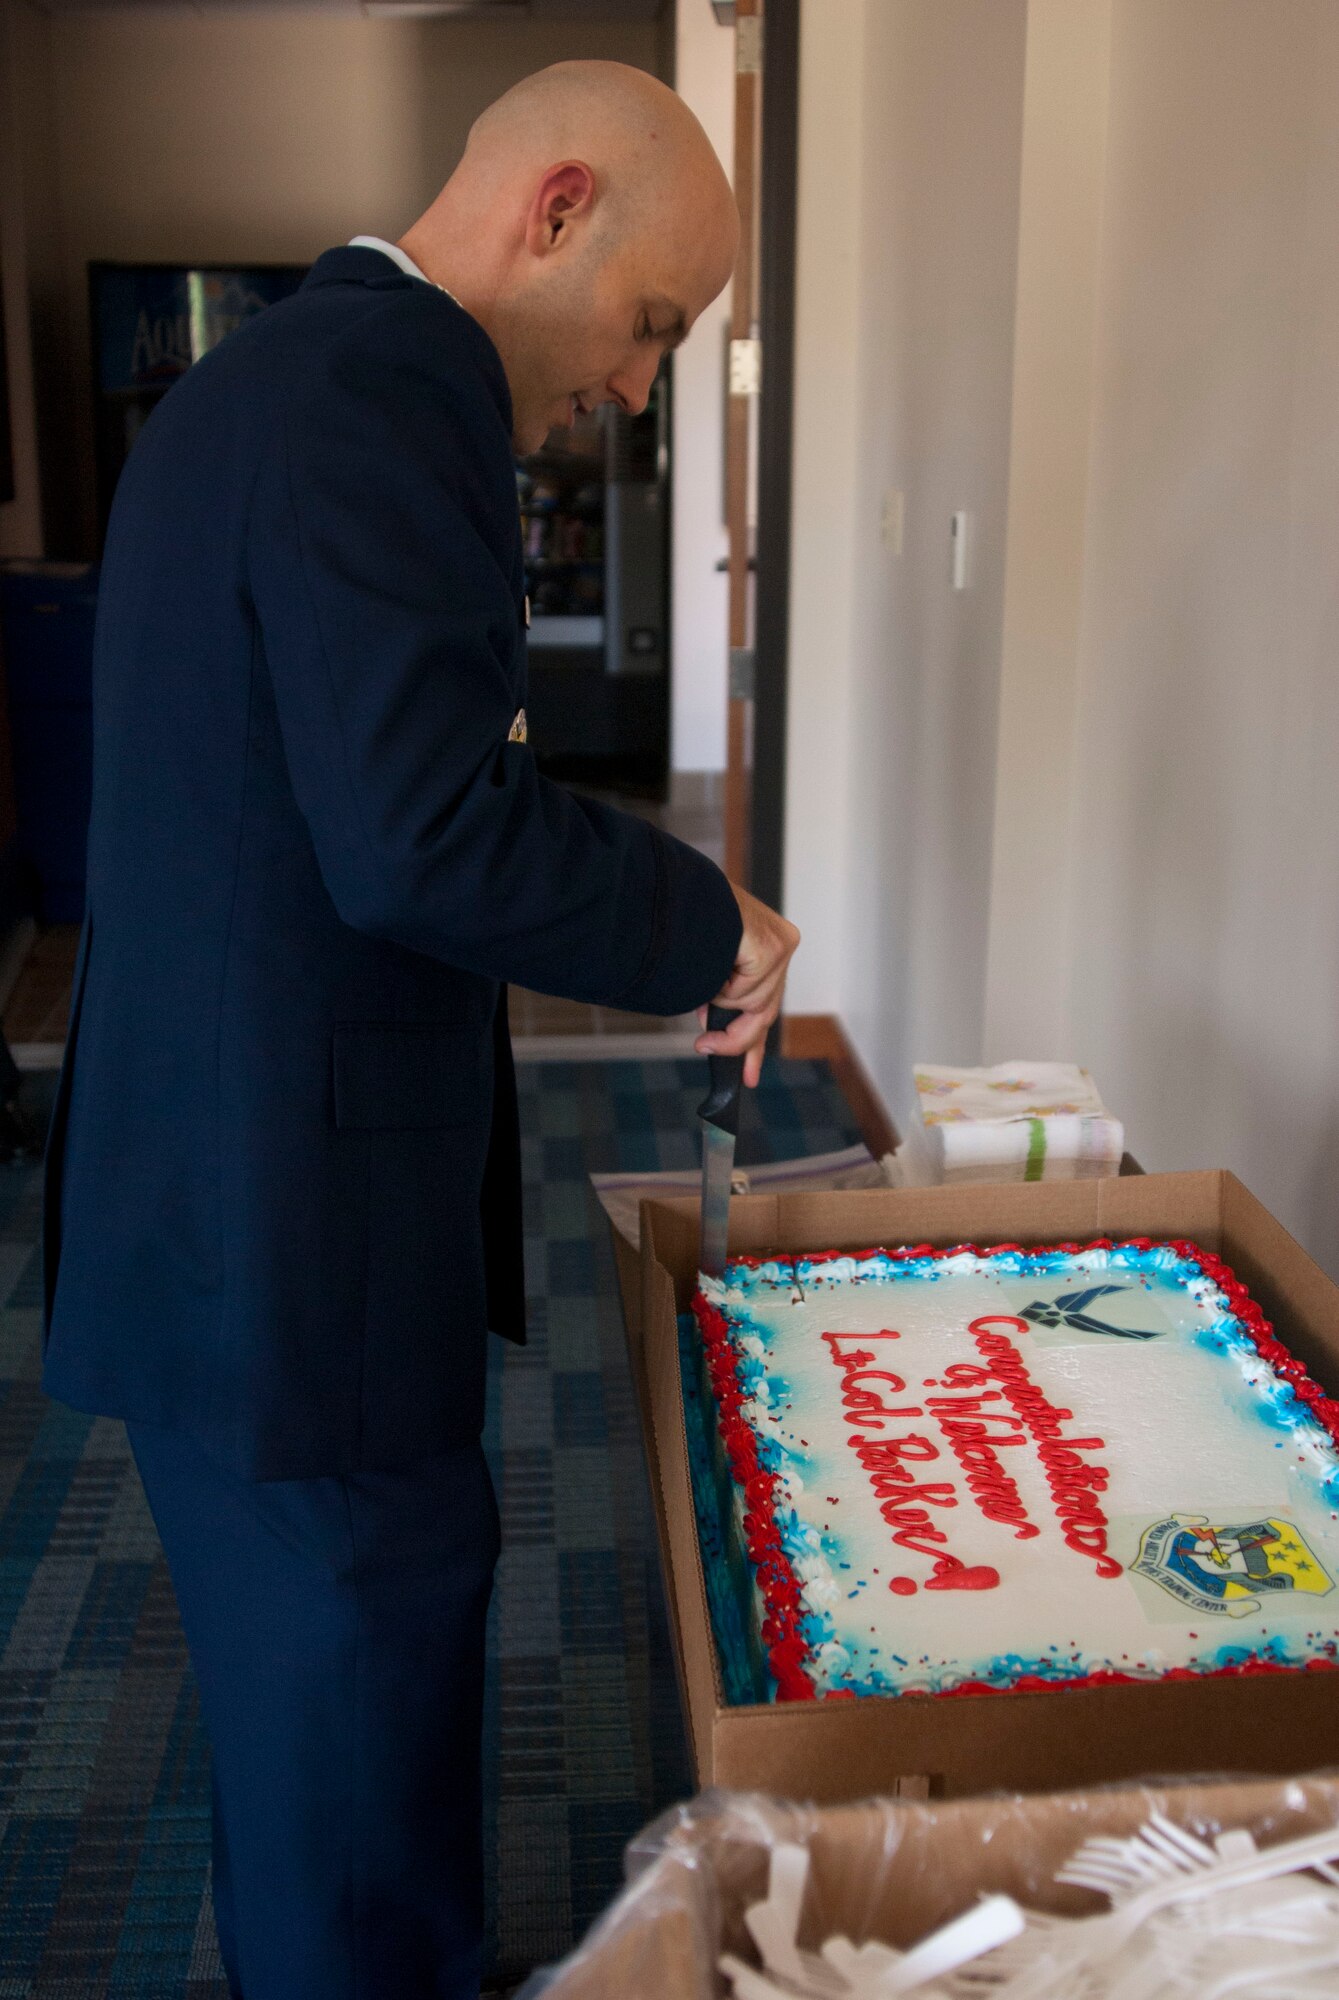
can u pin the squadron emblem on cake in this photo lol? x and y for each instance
(1229, 1569)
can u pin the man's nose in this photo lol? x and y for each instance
(631, 387)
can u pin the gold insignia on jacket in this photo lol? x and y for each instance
(516, 734)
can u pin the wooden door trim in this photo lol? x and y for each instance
(778, 193)
(738, 787)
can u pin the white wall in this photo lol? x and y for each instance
(908, 222)
(1066, 90)
(1094, 294)
(1206, 827)
(819, 821)
(939, 255)
(704, 76)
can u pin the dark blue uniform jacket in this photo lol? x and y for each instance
(283, 1178)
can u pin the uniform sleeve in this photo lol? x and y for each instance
(388, 627)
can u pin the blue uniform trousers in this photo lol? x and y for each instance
(336, 1629)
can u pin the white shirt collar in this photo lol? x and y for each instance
(400, 257)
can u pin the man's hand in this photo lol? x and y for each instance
(754, 987)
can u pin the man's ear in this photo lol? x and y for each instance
(566, 191)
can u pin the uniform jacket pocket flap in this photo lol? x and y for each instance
(398, 1076)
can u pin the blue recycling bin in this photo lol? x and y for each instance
(46, 626)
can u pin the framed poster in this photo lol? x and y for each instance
(149, 323)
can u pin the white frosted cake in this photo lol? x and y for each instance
(954, 1471)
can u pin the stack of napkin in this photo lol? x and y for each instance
(1019, 1121)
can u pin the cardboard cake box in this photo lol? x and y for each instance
(1026, 1741)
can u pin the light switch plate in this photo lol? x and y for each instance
(961, 532)
(893, 526)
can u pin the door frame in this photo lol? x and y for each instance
(778, 197)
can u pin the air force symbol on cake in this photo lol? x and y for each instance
(1071, 1310)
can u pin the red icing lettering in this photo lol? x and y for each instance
(1072, 1481)
(880, 1452)
(896, 1499)
(875, 1375)
(962, 1578)
(965, 1375)
(974, 1444)
(902, 1499)
(862, 1355)
(865, 1409)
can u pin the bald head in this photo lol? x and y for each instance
(586, 227)
(652, 161)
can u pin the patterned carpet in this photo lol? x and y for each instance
(104, 1769)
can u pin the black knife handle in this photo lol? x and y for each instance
(720, 1107)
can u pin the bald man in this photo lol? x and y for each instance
(283, 1180)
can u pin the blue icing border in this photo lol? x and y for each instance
(1271, 1401)
(777, 1274)
(725, 1567)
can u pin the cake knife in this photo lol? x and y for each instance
(719, 1112)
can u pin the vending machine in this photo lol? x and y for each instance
(149, 323)
(595, 520)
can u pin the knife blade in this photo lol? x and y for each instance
(719, 1113)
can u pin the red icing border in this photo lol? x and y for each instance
(788, 1652)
